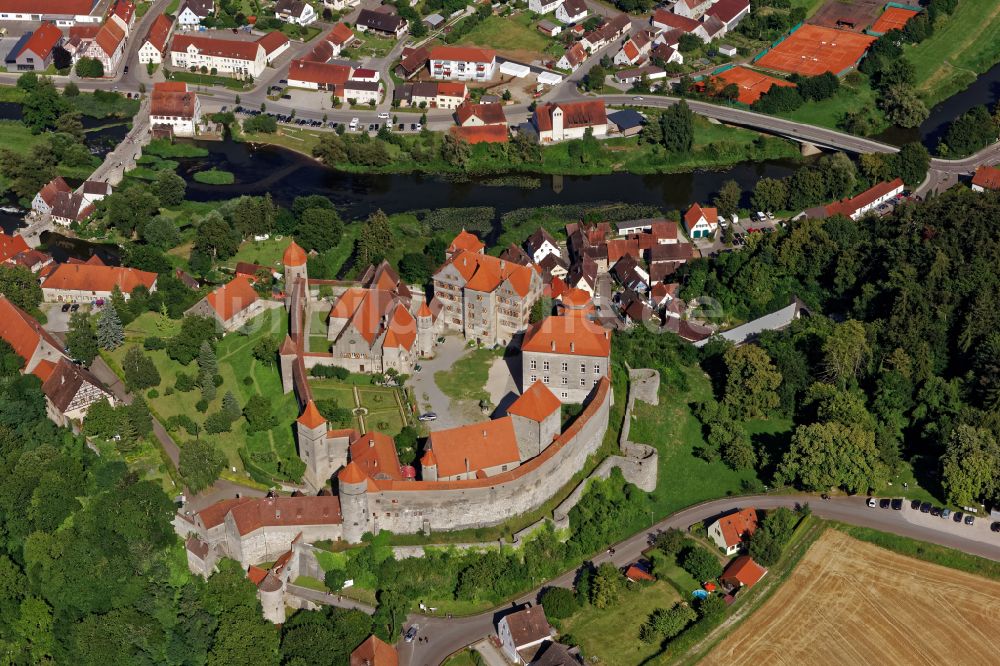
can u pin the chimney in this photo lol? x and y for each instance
(466, 464)
(277, 513)
(572, 346)
(552, 344)
(371, 442)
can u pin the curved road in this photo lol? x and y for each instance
(446, 636)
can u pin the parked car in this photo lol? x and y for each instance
(74, 307)
(915, 505)
(970, 519)
(935, 511)
(384, 115)
(884, 503)
(413, 127)
(65, 307)
(925, 507)
(427, 416)
(897, 504)
(957, 517)
(402, 127)
(945, 513)
(872, 502)
(411, 633)
(354, 124)
(995, 526)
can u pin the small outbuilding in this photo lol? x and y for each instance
(743, 571)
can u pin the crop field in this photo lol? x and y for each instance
(850, 602)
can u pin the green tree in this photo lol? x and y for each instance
(231, 407)
(912, 162)
(829, 455)
(970, 467)
(169, 188)
(28, 173)
(594, 79)
(244, 638)
(390, 614)
(607, 586)
(216, 238)
(42, 106)
(81, 341)
(700, 563)
(671, 541)
(455, 150)
(110, 333)
(375, 238)
(727, 200)
(258, 414)
(161, 232)
(89, 68)
(751, 382)
(845, 351)
(139, 415)
(140, 371)
(207, 362)
(335, 579)
(677, 124)
(200, 464)
(665, 623)
(559, 602)
(20, 286)
(902, 106)
(128, 209)
(319, 229)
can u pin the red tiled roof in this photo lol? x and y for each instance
(744, 570)
(727, 10)
(635, 573)
(987, 177)
(537, 403)
(735, 525)
(224, 48)
(52, 188)
(22, 331)
(452, 89)
(631, 51)
(622, 247)
(489, 114)
(294, 255)
(90, 277)
(575, 114)
(159, 32)
(374, 455)
(110, 37)
(576, 54)
(374, 652)
(45, 38)
(11, 245)
(462, 53)
(485, 273)
(850, 206)
(671, 20)
(474, 447)
(571, 333)
(482, 134)
(172, 98)
(311, 418)
(256, 575)
(466, 241)
(429, 459)
(124, 9)
(318, 72)
(401, 330)
(272, 41)
(231, 299)
(253, 513)
(697, 211)
(341, 34)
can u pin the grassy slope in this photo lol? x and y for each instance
(510, 35)
(962, 47)
(828, 112)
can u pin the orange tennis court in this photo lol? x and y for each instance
(751, 84)
(893, 18)
(812, 50)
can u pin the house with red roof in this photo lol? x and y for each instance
(866, 202)
(46, 197)
(175, 107)
(154, 44)
(486, 298)
(232, 305)
(313, 75)
(27, 337)
(573, 57)
(36, 53)
(123, 13)
(462, 63)
(986, 178)
(563, 121)
(537, 419)
(742, 572)
(666, 21)
(636, 49)
(374, 652)
(568, 352)
(701, 221)
(91, 282)
(731, 531)
(474, 451)
(478, 115)
(107, 46)
(11, 246)
(236, 58)
(62, 12)
(465, 241)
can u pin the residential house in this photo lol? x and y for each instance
(240, 59)
(70, 207)
(731, 531)
(69, 391)
(462, 63)
(701, 221)
(551, 653)
(330, 45)
(318, 76)
(123, 13)
(422, 94)
(548, 28)
(174, 106)
(664, 260)
(340, 5)
(541, 244)
(583, 275)
(362, 92)
(193, 12)
(297, 12)
(986, 178)
(382, 22)
(523, 633)
(627, 122)
(630, 274)
(635, 49)
(274, 44)
(60, 12)
(450, 94)
(27, 337)
(570, 120)
(374, 652)
(606, 33)
(636, 74)
(413, 60)
(482, 134)
(512, 253)
(90, 282)
(867, 201)
(465, 241)
(568, 352)
(478, 115)
(742, 572)
(543, 6)
(232, 305)
(11, 246)
(574, 56)
(37, 52)
(572, 11)
(664, 20)
(45, 199)
(473, 451)
(94, 190)
(485, 298)
(553, 266)
(154, 46)
(434, 21)
(107, 46)
(692, 9)
(729, 13)
(666, 53)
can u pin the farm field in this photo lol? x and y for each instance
(850, 602)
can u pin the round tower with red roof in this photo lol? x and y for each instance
(354, 502)
(295, 260)
(429, 467)
(425, 330)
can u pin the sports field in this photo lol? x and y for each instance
(853, 15)
(812, 50)
(893, 18)
(752, 84)
(850, 602)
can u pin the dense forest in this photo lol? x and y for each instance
(897, 364)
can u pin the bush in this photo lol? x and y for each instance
(248, 381)
(201, 405)
(700, 563)
(185, 382)
(217, 422)
(153, 342)
(330, 372)
(152, 394)
(559, 602)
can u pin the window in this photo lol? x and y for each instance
(583, 382)
(583, 367)
(565, 381)
(545, 379)
(503, 468)
(545, 365)
(534, 378)
(565, 366)
(597, 368)
(564, 394)
(534, 364)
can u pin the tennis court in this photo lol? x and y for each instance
(812, 50)
(853, 15)
(894, 18)
(752, 84)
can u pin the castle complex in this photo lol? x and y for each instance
(471, 476)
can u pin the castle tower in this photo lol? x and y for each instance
(310, 429)
(287, 354)
(294, 260)
(429, 467)
(425, 330)
(272, 598)
(354, 502)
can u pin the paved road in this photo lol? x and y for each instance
(448, 635)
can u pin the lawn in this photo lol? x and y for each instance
(467, 378)
(667, 569)
(267, 451)
(463, 658)
(372, 46)
(208, 80)
(514, 36)
(166, 149)
(384, 413)
(962, 47)
(611, 636)
(16, 137)
(265, 253)
(215, 177)
(299, 140)
(829, 112)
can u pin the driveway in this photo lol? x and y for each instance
(57, 321)
(430, 397)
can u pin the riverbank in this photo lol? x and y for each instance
(715, 146)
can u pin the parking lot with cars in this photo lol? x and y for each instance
(354, 126)
(969, 522)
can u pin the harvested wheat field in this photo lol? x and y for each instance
(850, 602)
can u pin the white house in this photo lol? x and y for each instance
(541, 244)
(363, 92)
(154, 46)
(570, 120)
(297, 12)
(701, 221)
(522, 633)
(238, 58)
(867, 201)
(543, 6)
(574, 56)
(692, 8)
(636, 48)
(731, 531)
(571, 11)
(340, 5)
(462, 63)
(173, 105)
(107, 46)
(193, 12)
